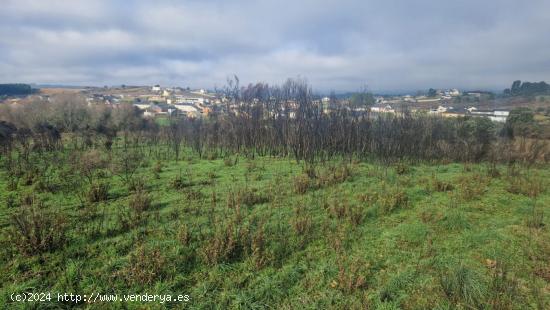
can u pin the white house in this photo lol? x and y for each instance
(500, 116)
(440, 109)
(186, 108)
(382, 108)
(142, 106)
(454, 92)
(502, 113)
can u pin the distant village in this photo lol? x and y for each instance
(447, 103)
(172, 101)
(157, 100)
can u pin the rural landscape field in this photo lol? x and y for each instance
(246, 211)
(275, 154)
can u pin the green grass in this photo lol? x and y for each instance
(240, 236)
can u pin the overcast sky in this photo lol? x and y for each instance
(337, 45)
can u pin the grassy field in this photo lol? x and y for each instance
(271, 233)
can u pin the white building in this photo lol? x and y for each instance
(186, 108)
(382, 108)
(500, 116)
(142, 106)
(454, 92)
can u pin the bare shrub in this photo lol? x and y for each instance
(530, 186)
(302, 183)
(212, 155)
(181, 182)
(343, 209)
(227, 161)
(352, 275)
(193, 194)
(223, 246)
(145, 266)
(437, 185)
(402, 168)
(126, 163)
(246, 197)
(536, 218)
(88, 164)
(136, 184)
(334, 175)
(258, 246)
(231, 201)
(97, 192)
(184, 234)
(250, 197)
(140, 201)
(310, 171)
(36, 231)
(301, 222)
(157, 169)
(472, 186)
(392, 200)
(504, 287)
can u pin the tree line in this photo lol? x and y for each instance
(260, 120)
(519, 88)
(15, 89)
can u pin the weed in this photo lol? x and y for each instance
(140, 201)
(402, 168)
(223, 246)
(436, 185)
(503, 286)
(228, 162)
(259, 249)
(393, 289)
(157, 169)
(343, 209)
(455, 221)
(462, 285)
(212, 156)
(493, 171)
(98, 192)
(181, 182)
(246, 197)
(302, 183)
(301, 222)
(145, 266)
(36, 231)
(352, 275)
(184, 234)
(251, 197)
(472, 186)
(392, 200)
(193, 194)
(536, 218)
(334, 175)
(212, 176)
(12, 200)
(528, 186)
(136, 184)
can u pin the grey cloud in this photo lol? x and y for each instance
(336, 45)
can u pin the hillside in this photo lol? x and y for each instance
(251, 233)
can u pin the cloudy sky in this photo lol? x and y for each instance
(337, 45)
